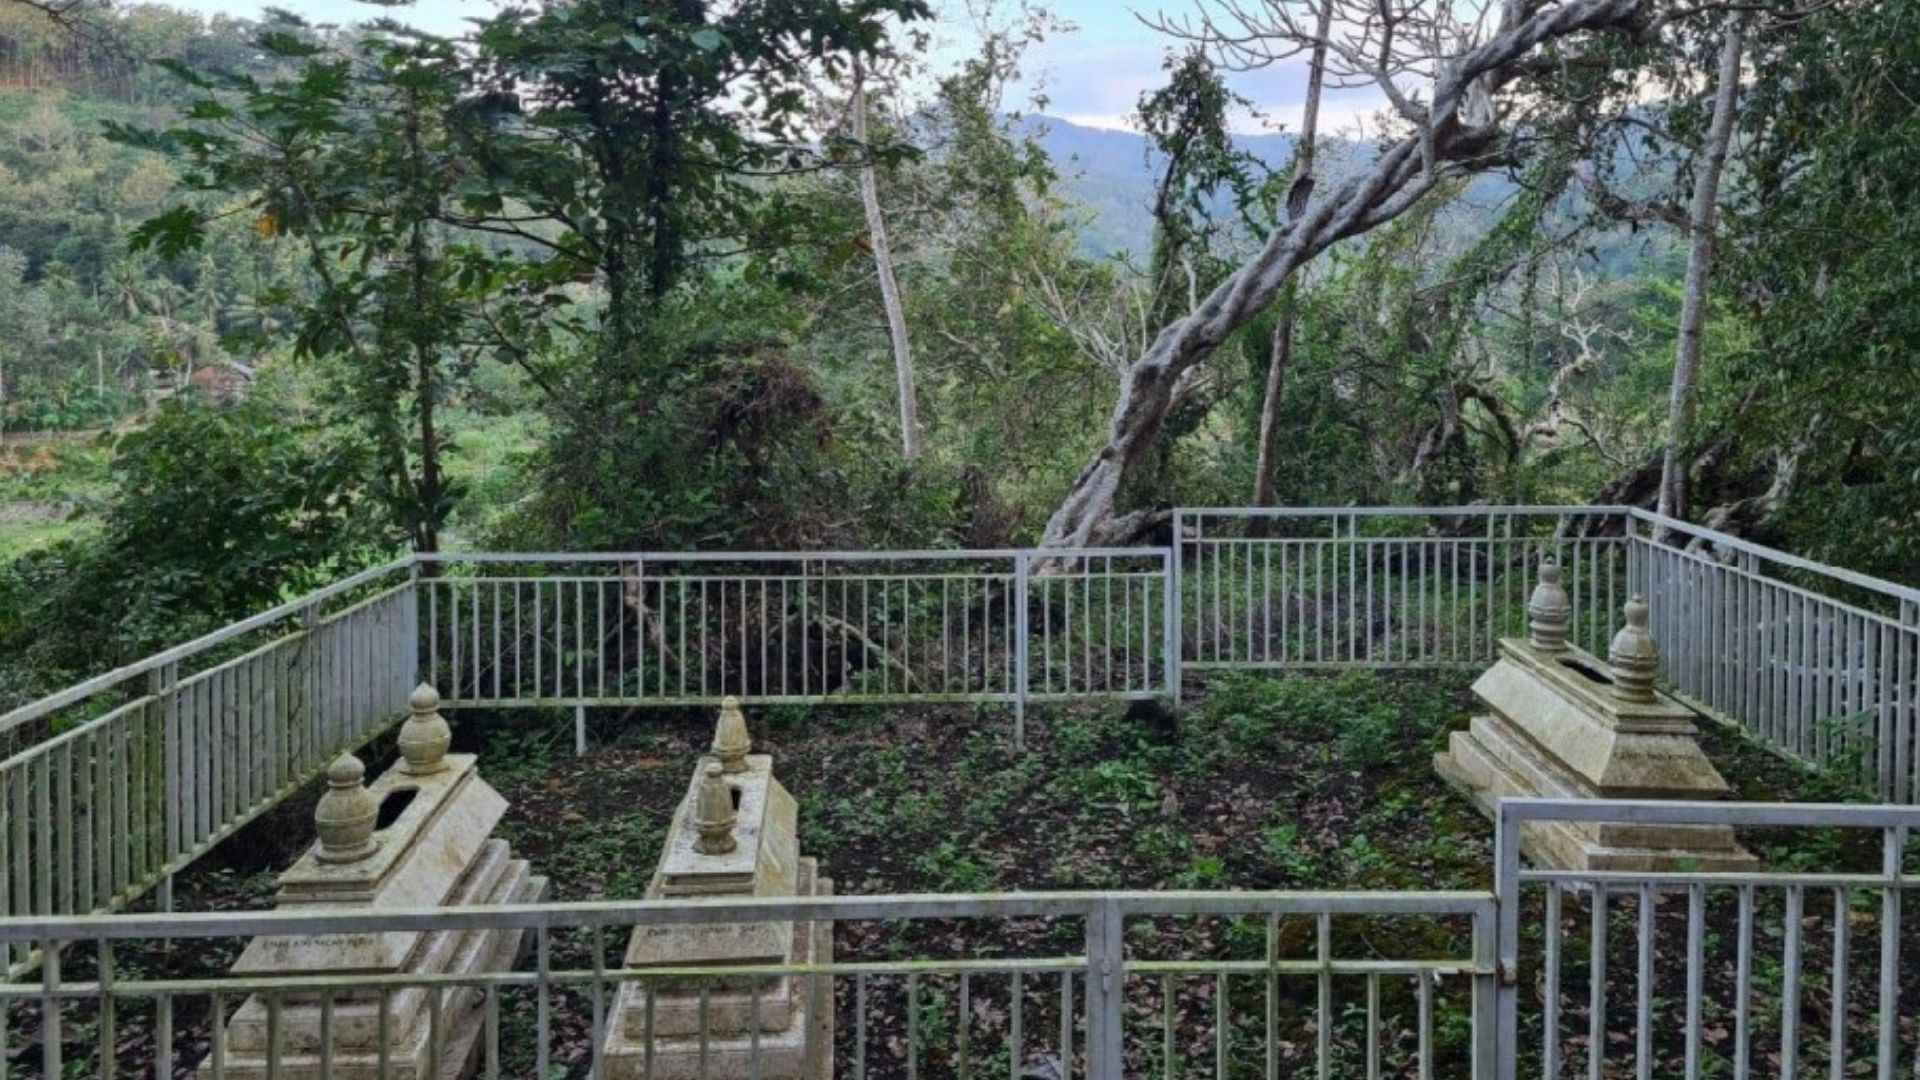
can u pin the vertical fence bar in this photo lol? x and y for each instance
(1170, 602)
(1893, 854)
(1021, 658)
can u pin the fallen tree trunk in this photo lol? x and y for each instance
(1459, 131)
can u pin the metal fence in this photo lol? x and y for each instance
(1384, 587)
(110, 786)
(1110, 1007)
(1794, 971)
(118, 782)
(781, 628)
(1817, 661)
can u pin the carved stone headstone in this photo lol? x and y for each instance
(1562, 723)
(435, 850)
(734, 834)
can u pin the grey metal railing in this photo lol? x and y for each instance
(1385, 587)
(636, 629)
(1107, 1010)
(1795, 970)
(116, 783)
(1730, 973)
(111, 785)
(1817, 661)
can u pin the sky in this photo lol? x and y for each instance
(1091, 75)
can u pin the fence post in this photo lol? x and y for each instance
(410, 625)
(1020, 569)
(1170, 583)
(1106, 1055)
(160, 683)
(1496, 1037)
(1636, 559)
(1893, 857)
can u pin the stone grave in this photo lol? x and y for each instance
(735, 834)
(1562, 723)
(420, 836)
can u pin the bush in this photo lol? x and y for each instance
(215, 514)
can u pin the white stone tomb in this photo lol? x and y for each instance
(436, 849)
(734, 834)
(1562, 723)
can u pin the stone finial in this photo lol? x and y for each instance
(1548, 611)
(1633, 659)
(425, 736)
(730, 739)
(713, 813)
(345, 815)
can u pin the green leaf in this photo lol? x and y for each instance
(171, 233)
(281, 43)
(708, 39)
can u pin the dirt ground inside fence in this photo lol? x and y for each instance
(1264, 783)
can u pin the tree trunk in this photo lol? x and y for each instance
(883, 267)
(1280, 355)
(1394, 182)
(426, 530)
(1693, 308)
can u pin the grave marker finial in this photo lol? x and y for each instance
(1633, 659)
(730, 739)
(345, 814)
(1548, 611)
(425, 736)
(713, 813)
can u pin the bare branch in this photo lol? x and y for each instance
(1460, 120)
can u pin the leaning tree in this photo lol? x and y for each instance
(1449, 75)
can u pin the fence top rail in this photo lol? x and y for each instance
(1778, 557)
(1542, 510)
(74, 734)
(913, 554)
(1831, 607)
(1757, 814)
(612, 913)
(78, 691)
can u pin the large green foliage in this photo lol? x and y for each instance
(355, 159)
(1825, 263)
(215, 514)
(641, 130)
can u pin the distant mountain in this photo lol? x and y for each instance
(1112, 173)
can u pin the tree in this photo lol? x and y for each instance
(639, 137)
(883, 270)
(1454, 131)
(1701, 227)
(1280, 354)
(1809, 420)
(353, 158)
(1186, 123)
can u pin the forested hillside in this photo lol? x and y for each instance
(616, 275)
